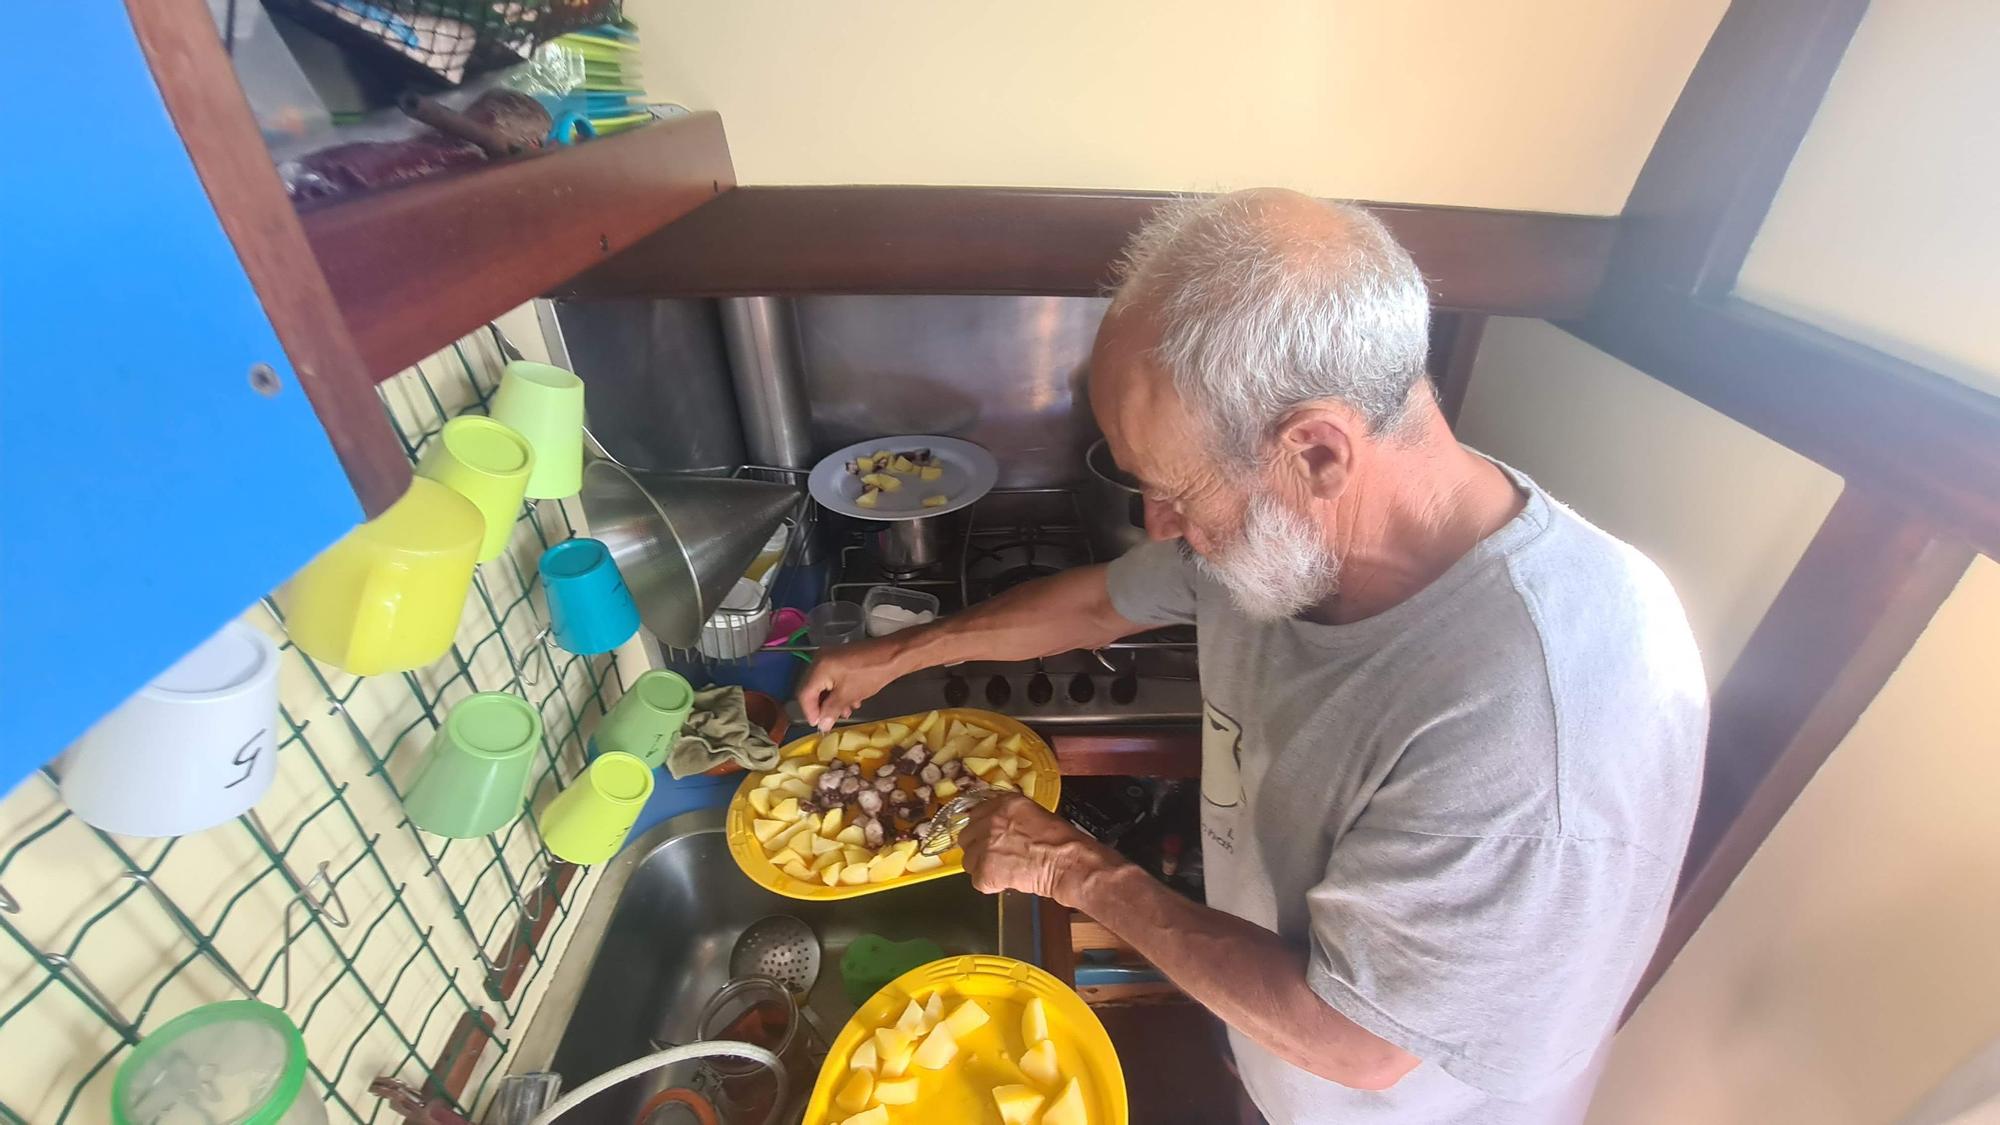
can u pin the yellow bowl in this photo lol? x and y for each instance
(749, 852)
(962, 1091)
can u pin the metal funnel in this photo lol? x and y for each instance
(680, 541)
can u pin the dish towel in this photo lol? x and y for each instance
(719, 730)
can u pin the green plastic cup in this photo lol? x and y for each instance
(544, 404)
(475, 772)
(488, 464)
(588, 822)
(648, 719)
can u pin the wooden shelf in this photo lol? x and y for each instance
(414, 268)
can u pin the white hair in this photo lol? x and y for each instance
(1276, 566)
(1258, 315)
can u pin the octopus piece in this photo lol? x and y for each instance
(930, 775)
(888, 770)
(870, 801)
(920, 754)
(923, 794)
(849, 786)
(953, 768)
(884, 785)
(906, 767)
(873, 832)
(829, 782)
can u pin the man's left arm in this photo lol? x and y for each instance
(1242, 972)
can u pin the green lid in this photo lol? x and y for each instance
(253, 1054)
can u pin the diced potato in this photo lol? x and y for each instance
(902, 464)
(851, 834)
(912, 1021)
(896, 1091)
(830, 824)
(958, 728)
(809, 771)
(854, 874)
(1013, 744)
(904, 848)
(937, 501)
(810, 821)
(883, 481)
(821, 845)
(882, 456)
(865, 464)
(1040, 1064)
(853, 854)
(868, 498)
(828, 859)
(1068, 1107)
(798, 870)
(787, 809)
(1028, 782)
(851, 739)
(1034, 1021)
(767, 830)
(894, 1048)
(951, 750)
(898, 733)
(945, 789)
(1003, 783)
(864, 1056)
(886, 866)
(805, 748)
(792, 786)
(830, 874)
(938, 1049)
(1017, 1104)
(934, 1009)
(965, 1019)
(828, 749)
(982, 766)
(882, 740)
(785, 855)
(761, 801)
(857, 1091)
(772, 780)
(876, 1116)
(1011, 765)
(930, 723)
(989, 746)
(930, 472)
(921, 863)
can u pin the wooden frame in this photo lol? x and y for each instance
(782, 240)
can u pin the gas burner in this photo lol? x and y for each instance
(994, 568)
(1015, 576)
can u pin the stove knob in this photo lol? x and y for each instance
(998, 691)
(956, 690)
(1125, 688)
(1040, 690)
(1081, 689)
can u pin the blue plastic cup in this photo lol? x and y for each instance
(590, 610)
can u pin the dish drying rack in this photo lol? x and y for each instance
(745, 631)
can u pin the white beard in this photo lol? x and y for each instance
(1277, 566)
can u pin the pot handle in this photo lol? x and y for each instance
(1136, 511)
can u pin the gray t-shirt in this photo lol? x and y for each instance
(1469, 810)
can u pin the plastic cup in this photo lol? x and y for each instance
(588, 822)
(488, 464)
(836, 623)
(545, 405)
(475, 772)
(194, 748)
(237, 1060)
(590, 608)
(388, 596)
(645, 722)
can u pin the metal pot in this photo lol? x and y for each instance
(904, 547)
(1114, 510)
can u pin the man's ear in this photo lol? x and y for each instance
(1319, 443)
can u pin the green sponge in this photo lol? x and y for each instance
(873, 961)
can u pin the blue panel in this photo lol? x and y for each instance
(152, 493)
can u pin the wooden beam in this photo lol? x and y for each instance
(1925, 438)
(1710, 178)
(889, 239)
(1865, 589)
(1454, 346)
(199, 88)
(415, 268)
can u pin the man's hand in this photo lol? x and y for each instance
(1013, 844)
(843, 678)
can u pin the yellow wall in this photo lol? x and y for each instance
(1887, 227)
(1535, 104)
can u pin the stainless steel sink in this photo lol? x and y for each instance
(653, 945)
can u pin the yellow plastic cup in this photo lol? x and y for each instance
(588, 822)
(487, 463)
(544, 404)
(387, 597)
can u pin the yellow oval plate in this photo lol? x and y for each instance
(749, 852)
(962, 1093)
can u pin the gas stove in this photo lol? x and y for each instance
(1010, 537)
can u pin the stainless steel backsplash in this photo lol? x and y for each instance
(1005, 372)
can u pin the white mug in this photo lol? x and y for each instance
(194, 748)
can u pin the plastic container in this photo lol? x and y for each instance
(588, 822)
(192, 749)
(590, 608)
(475, 771)
(741, 623)
(545, 405)
(648, 718)
(892, 609)
(767, 559)
(488, 464)
(237, 1062)
(835, 623)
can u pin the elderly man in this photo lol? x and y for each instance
(1453, 732)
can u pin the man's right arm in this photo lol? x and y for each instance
(1056, 614)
